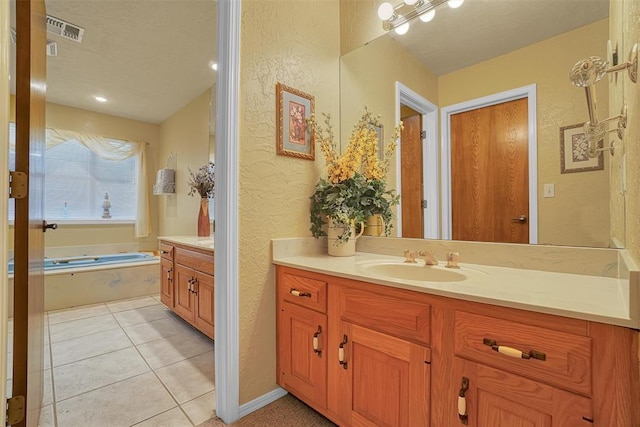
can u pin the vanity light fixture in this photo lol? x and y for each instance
(586, 74)
(394, 17)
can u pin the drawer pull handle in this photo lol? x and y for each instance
(169, 274)
(164, 252)
(341, 352)
(462, 401)
(297, 293)
(316, 342)
(514, 352)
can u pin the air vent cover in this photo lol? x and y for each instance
(64, 29)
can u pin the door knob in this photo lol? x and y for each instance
(45, 225)
(522, 219)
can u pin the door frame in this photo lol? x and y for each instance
(528, 92)
(429, 112)
(4, 194)
(226, 278)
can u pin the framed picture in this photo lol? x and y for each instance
(573, 151)
(295, 137)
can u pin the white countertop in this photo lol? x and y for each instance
(193, 241)
(599, 299)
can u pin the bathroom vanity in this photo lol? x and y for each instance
(365, 349)
(187, 280)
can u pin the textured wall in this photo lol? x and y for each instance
(62, 117)
(186, 134)
(295, 42)
(354, 30)
(579, 214)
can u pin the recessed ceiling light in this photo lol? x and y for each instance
(100, 98)
(213, 65)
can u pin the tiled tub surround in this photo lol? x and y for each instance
(125, 363)
(581, 283)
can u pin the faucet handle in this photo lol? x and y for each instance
(410, 256)
(452, 260)
(429, 259)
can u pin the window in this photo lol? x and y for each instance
(76, 180)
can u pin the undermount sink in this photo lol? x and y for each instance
(418, 272)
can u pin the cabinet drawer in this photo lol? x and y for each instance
(567, 357)
(303, 291)
(391, 313)
(196, 260)
(166, 250)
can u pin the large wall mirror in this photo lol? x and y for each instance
(447, 74)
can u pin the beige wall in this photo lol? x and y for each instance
(62, 117)
(295, 42)
(186, 134)
(354, 30)
(579, 214)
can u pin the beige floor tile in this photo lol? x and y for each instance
(76, 313)
(201, 408)
(81, 327)
(129, 304)
(90, 374)
(172, 418)
(88, 346)
(189, 378)
(124, 403)
(157, 298)
(175, 348)
(161, 328)
(142, 315)
(46, 417)
(47, 356)
(47, 388)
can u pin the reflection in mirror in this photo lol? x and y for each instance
(464, 87)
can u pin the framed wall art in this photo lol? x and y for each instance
(573, 151)
(295, 137)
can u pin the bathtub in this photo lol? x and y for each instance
(80, 280)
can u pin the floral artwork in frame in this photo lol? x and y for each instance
(573, 151)
(293, 108)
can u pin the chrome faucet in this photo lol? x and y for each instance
(410, 256)
(452, 260)
(429, 259)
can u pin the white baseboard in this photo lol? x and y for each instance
(261, 401)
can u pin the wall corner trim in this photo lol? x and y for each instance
(262, 401)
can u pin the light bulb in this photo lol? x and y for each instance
(385, 11)
(453, 4)
(410, 2)
(402, 29)
(428, 16)
(100, 98)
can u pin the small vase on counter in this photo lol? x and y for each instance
(204, 226)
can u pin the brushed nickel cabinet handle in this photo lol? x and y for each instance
(316, 342)
(169, 274)
(164, 252)
(462, 401)
(341, 360)
(514, 352)
(522, 219)
(297, 293)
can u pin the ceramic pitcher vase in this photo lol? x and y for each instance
(374, 226)
(204, 227)
(336, 248)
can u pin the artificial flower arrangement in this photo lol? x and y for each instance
(355, 187)
(202, 181)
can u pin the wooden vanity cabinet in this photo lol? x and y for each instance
(166, 275)
(393, 357)
(187, 286)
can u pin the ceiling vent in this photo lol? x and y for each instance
(64, 29)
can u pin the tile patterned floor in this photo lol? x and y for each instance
(125, 363)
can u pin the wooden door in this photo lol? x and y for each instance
(301, 368)
(184, 299)
(389, 380)
(204, 303)
(28, 301)
(498, 399)
(166, 287)
(490, 173)
(411, 176)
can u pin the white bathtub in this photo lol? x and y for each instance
(72, 281)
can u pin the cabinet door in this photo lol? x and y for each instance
(204, 303)
(184, 298)
(302, 369)
(387, 380)
(495, 398)
(166, 288)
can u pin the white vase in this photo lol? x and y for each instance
(338, 248)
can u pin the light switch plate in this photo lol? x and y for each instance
(549, 190)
